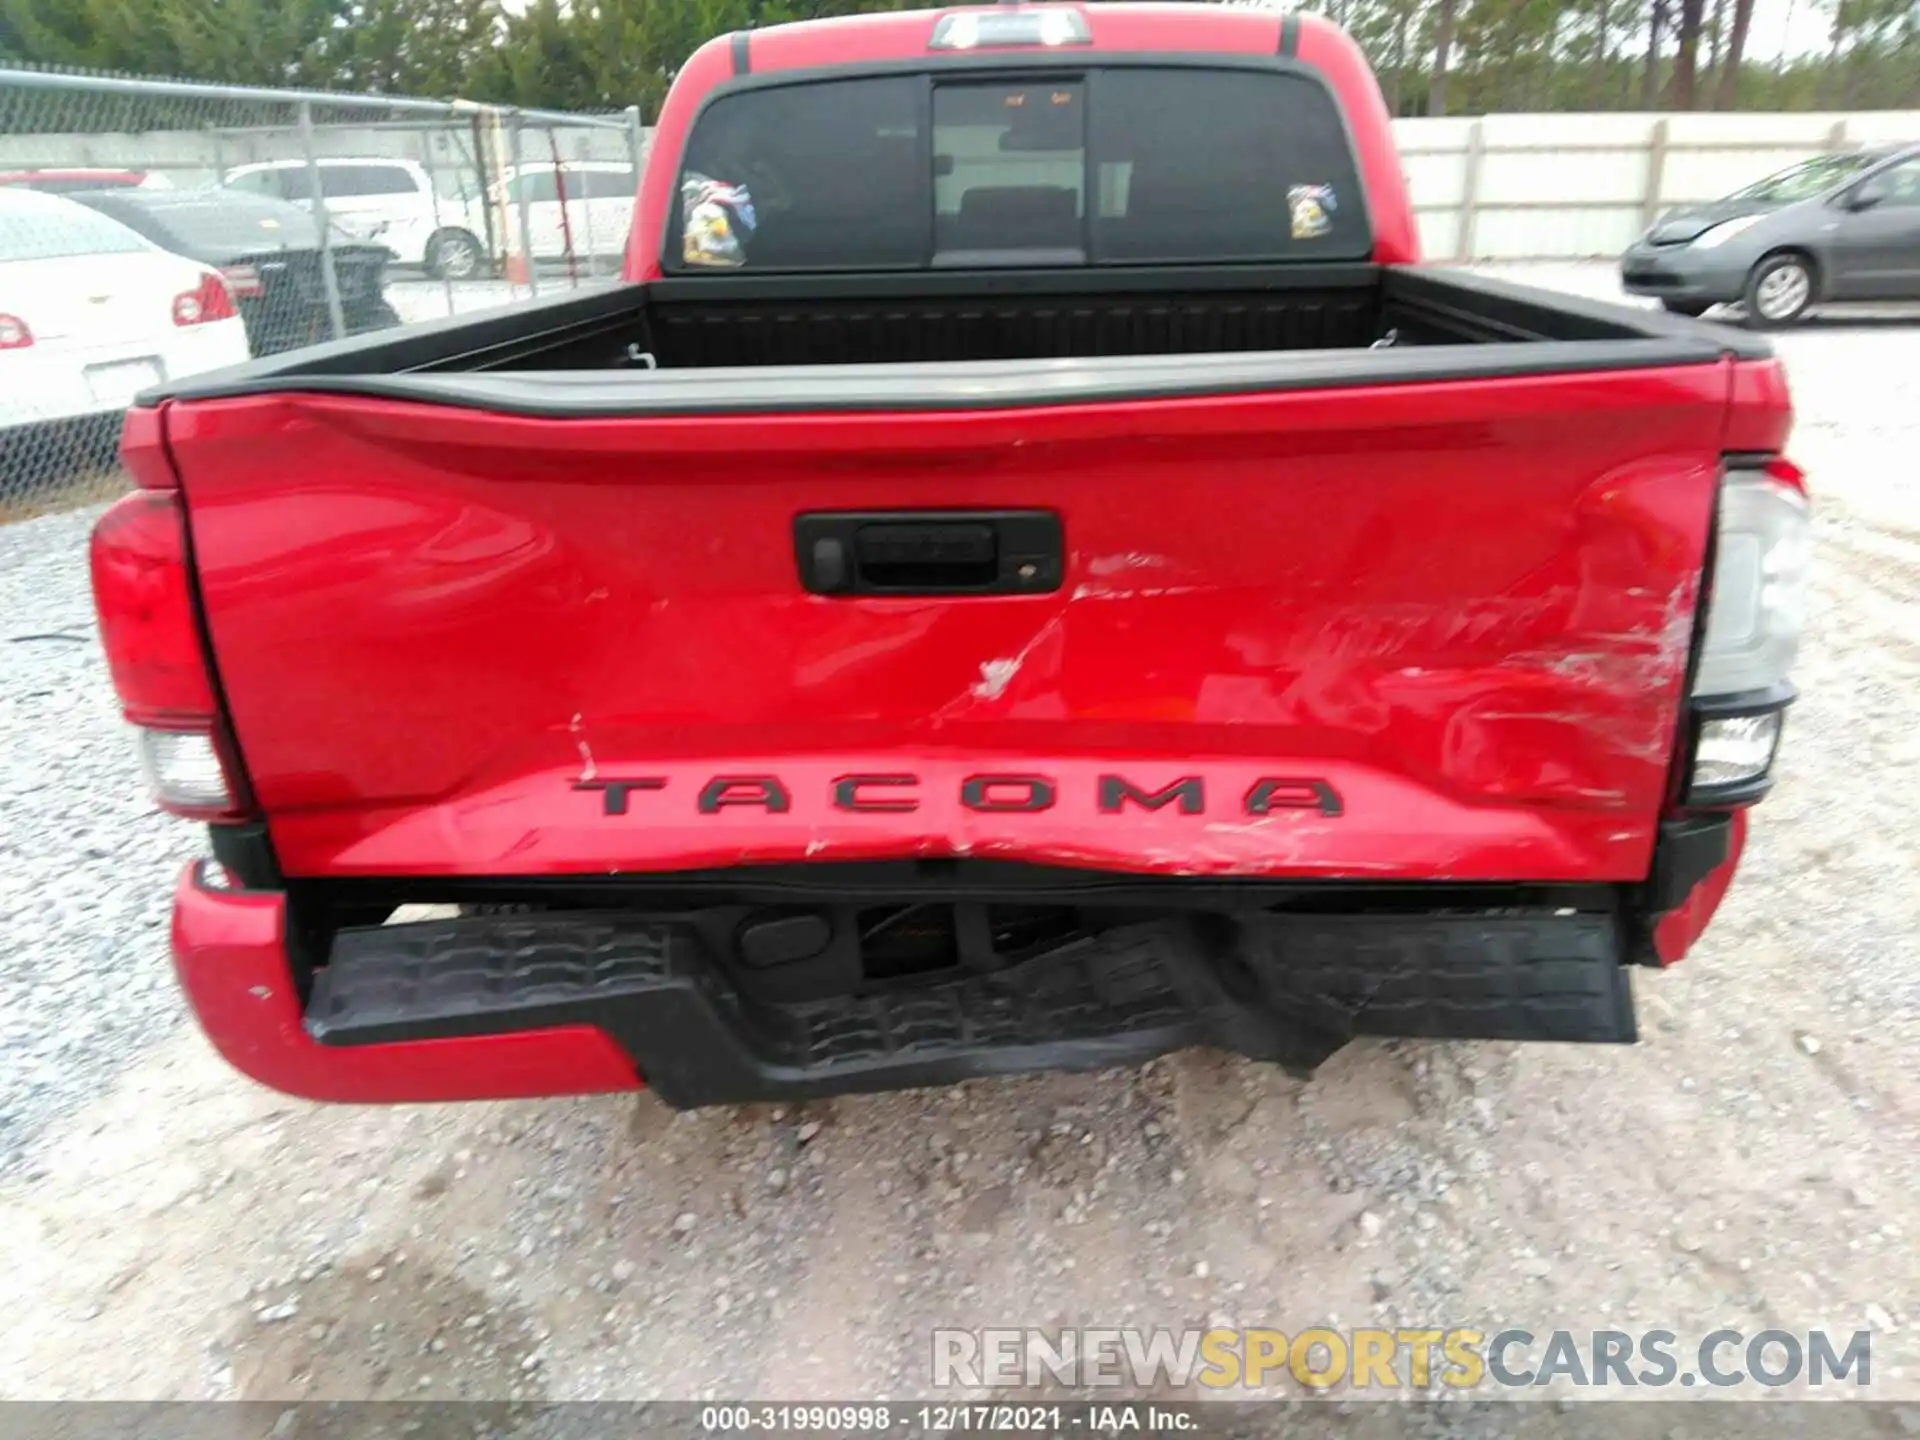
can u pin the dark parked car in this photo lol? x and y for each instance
(1836, 227)
(269, 252)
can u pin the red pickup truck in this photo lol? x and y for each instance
(1027, 571)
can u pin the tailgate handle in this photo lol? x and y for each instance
(929, 552)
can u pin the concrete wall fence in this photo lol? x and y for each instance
(1579, 186)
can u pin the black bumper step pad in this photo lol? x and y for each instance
(1508, 978)
(1285, 988)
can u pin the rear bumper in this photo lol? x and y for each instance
(47, 382)
(575, 1002)
(230, 953)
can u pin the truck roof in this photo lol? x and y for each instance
(905, 34)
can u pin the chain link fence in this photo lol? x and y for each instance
(153, 229)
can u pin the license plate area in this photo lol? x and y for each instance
(117, 382)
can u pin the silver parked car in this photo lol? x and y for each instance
(1836, 227)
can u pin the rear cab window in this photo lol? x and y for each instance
(603, 185)
(271, 183)
(536, 187)
(1119, 164)
(546, 186)
(354, 181)
(72, 230)
(219, 225)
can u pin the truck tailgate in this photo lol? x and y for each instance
(1432, 631)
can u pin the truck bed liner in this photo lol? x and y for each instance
(716, 344)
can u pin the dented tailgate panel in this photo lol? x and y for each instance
(1434, 632)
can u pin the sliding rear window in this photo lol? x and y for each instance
(1126, 165)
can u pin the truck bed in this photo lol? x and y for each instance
(744, 342)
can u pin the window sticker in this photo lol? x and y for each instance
(717, 221)
(1312, 208)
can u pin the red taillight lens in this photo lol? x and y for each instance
(210, 301)
(147, 624)
(15, 334)
(242, 280)
(150, 630)
(1786, 472)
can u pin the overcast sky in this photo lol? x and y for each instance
(1793, 26)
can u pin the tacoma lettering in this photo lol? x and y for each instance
(765, 791)
(1268, 795)
(614, 792)
(895, 793)
(1116, 790)
(990, 792)
(847, 796)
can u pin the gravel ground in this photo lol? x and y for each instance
(168, 1230)
(84, 854)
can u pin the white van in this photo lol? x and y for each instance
(394, 203)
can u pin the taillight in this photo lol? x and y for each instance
(143, 592)
(208, 302)
(147, 625)
(1786, 472)
(242, 280)
(186, 773)
(1759, 589)
(15, 334)
(1756, 610)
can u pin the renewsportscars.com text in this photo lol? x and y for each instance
(1396, 1359)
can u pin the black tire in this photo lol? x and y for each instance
(1778, 292)
(1692, 309)
(455, 255)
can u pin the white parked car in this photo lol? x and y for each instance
(394, 203)
(593, 221)
(385, 202)
(91, 313)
